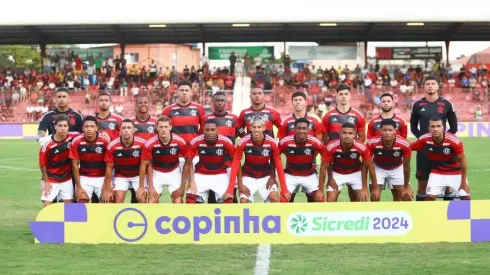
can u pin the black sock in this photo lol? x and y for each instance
(420, 197)
(449, 197)
(94, 198)
(133, 196)
(211, 197)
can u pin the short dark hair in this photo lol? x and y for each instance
(90, 118)
(296, 94)
(61, 117)
(142, 96)
(386, 94)
(348, 125)
(342, 87)
(388, 121)
(164, 119)
(256, 87)
(436, 118)
(128, 121)
(104, 94)
(63, 90)
(430, 77)
(184, 83)
(218, 94)
(302, 120)
(210, 121)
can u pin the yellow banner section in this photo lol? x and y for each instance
(385, 222)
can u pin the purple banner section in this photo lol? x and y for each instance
(11, 130)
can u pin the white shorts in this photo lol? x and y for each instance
(437, 184)
(308, 184)
(195, 160)
(354, 180)
(91, 185)
(170, 179)
(257, 185)
(62, 190)
(389, 178)
(205, 183)
(123, 184)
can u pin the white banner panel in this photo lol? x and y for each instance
(323, 52)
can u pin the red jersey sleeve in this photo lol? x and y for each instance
(418, 145)
(201, 118)
(326, 122)
(166, 111)
(184, 149)
(235, 166)
(109, 155)
(282, 130)
(43, 157)
(276, 155)
(74, 151)
(365, 154)
(327, 156)
(361, 123)
(370, 130)
(318, 127)
(192, 150)
(403, 129)
(201, 125)
(147, 152)
(229, 148)
(457, 147)
(243, 125)
(276, 119)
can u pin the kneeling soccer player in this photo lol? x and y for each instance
(258, 173)
(210, 170)
(160, 161)
(301, 150)
(447, 159)
(124, 156)
(87, 153)
(391, 157)
(348, 169)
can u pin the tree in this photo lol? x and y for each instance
(20, 56)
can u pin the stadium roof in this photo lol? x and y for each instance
(262, 21)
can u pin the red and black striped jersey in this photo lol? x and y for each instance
(228, 125)
(258, 157)
(126, 159)
(212, 157)
(185, 119)
(145, 129)
(55, 155)
(164, 157)
(110, 125)
(270, 115)
(90, 154)
(287, 126)
(443, 156)
(374, 127)
(392, 157)
(345, 161)
(333, 120)
(301, 158)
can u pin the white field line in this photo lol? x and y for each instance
(263, 259)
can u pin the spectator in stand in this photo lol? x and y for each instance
(478, 112)
(257, 61)
(394, 84)
(119, 109)
(135, 91)
(465, 84)
(472, 83)
(233, 60)
(451, 83)
(239, 66)
(153, 70)
(124, 87)
(134, 73)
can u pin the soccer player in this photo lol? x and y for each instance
(124, 157)
(447, 161)
(258, 173)
(391, 157)
(287, 127)
(210, 170)
(108, 123)
(343, 113)
(144, 123)
(160, 161)
(47, 121)
(347, 167)
(55, 163)
(87, 153)
(301, 150)
(387, 112)
(422, 110)
(270, 115)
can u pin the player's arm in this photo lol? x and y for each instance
(280, 172)
(368, 167)
(326, 160)
(235, 167)
(403, 129)
(243, 124)
(78, 123)
(145, 166)
(75, 162)
(186, 173)
(361, 128)
(407, 154)
(189, 170)
(418, 145)
(452, 119)
(282, 130)
(414, 122)
(370, 130)
(43, 160)
(107, 187)
(326, 128)
(43, 127)
(464, 171)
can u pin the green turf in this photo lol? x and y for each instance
(19, 203)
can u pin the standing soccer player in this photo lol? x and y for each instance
(447, 159)
(347, 167)
(144, 123)
(343, 113)
(301, 150)
(391, 157)
(422, 110)
(55, 163)
(160, 162)
(108, 123)
(287, 127)
(387, 112)
(258, 173)
(210, 170)
(87, 153)
(124, 157)
(270, 115)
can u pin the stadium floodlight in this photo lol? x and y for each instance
(240, 25)
(415, 24)
(157, 26)
(328, 24)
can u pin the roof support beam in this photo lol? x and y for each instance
(35, 32)
(453, 30)
(118, 34)
(367, 31)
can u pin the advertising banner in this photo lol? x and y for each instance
(385, 222)
(400, 53)
(223, 53)
(106, 52)
(323, 52)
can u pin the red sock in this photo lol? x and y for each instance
(283, 199)
(82, 201)
(465, 198)
(191, 198)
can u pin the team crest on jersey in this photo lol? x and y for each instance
(220, 152)
(229, 123)
(173, 151)
(265, 153)
(193, 113)
(440, 109)
(99, 150)
(72, 121)
(396, 154)
(353, 155)
(136, 154)
(350, 120)
(446, 151)
(308, 151)
(151, 129)
(112, 126)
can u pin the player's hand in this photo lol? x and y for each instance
(407, 192)
(226, 196)
(192, 188)
(332, 183)
(287, 196)
(271, 182)
(464, 186)
(319, 196)
(140, 192)
(152, 192)
(178, 193)
(107, 195)
(244, 190)
(375, 192)
(80, 192)
(364, 194)
(47, 188)
(105, 136)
